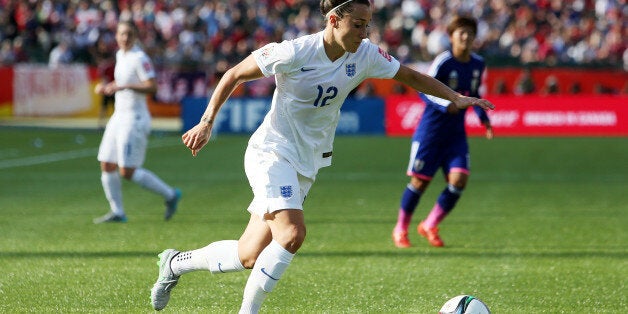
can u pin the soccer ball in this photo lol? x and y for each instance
(464, 304)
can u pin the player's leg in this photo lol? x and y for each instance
(132, 148)
(279, 195)
(288, 233)
(457, 174)
(218, 257)
(444, 205)
(150, 181)
(226, 255)
(112, 186)
(420, 173)
(110, 178)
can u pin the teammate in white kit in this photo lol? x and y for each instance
(313, 74)
(123, 146)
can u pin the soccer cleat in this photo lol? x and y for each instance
(171, 204)
(110, 217)
(431, 234)
(401, 239)
(160, 293)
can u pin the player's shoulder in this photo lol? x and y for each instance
(477, 58)
(444, 57)
(367, 46)
(372, 52)
(136, 53)
(140, 52)
(305, 43)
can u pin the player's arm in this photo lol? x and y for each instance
(148, 86)
(482, 115)
(429, 85)
(245, 71)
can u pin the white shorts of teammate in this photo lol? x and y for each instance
(276, 184)
(124, 142)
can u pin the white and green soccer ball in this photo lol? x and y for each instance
(464, 304)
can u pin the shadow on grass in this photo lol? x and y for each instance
(448, 253)
(431, 253)
(74, 254)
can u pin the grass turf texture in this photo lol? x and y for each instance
(541, 228)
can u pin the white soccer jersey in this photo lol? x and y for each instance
(132, 67)
(310, 90)
(126, 135)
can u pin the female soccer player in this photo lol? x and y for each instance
(123, 146)
(313, 74)
(440, 140)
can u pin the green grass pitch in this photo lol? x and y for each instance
(541, 228)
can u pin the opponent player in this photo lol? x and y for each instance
(440, 139)
(313, 74)
(123, 146)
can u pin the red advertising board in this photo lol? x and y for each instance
(567, 115)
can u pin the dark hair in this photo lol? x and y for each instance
(328, 5)
(462, 21)
(131, 25)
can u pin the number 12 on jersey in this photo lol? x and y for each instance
(325, 95)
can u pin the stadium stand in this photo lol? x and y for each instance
(186, 33)
(182, 35)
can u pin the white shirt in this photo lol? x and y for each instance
(132, 67)
(305, 108)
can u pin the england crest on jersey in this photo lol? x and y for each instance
(286, 191)
(350, 68)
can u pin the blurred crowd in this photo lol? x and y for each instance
(213, 35)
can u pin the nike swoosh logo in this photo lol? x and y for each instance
(220, 268)
(269, 276)
(307, 69)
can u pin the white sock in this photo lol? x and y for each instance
(269, 267)
(112, 186)
(150, 181)
(218, 257)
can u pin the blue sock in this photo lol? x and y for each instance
(410, 199)
(449, 197)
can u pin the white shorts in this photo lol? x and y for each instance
(275, 183)
(124, 142)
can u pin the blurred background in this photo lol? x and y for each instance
(53, 52)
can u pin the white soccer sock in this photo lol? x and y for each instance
(112, 186)
(218, 257)
(269, 267)
(150, 181)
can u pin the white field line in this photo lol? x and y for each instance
(44, 159)
(63, 156)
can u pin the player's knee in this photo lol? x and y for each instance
(248, 261)
(127, 173)
(458, 180)
(108, 167)
(455, 189)
(292, 237)
(419, 185)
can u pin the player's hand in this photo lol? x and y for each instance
(489, 130)
(110, 88)
(197, 137)
(464, 102)
(99, 89)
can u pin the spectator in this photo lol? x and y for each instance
(60, 54)
(525, 84)
(543, 32)
(551, 85)
(7, 57)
